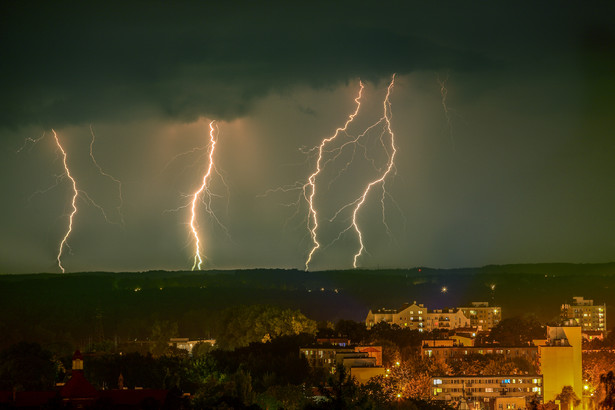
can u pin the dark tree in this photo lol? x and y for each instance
(355, 331)
(517, 331)
(608, 381)
(568, 397)
(26, 366)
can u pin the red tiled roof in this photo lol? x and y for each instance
(78, 387)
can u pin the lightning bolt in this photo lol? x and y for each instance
(30, 141)
(327, 153)
(312, 223)
(69, 229)
(61, 153)
(391, 151)
(447, 116)
(382, 179)
(198, 259)
(109, 176)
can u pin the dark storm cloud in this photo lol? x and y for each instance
(70, 62)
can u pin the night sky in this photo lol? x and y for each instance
(522, 172)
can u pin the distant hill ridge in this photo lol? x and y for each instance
(55, 305)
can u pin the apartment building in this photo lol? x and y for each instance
(582, 312)
(418, 317)
(482, 316)
(493, 392)
(459, 352)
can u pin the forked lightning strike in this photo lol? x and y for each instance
(312, 222)
(64, 242)
(198, 259)
(382, 179)
(76, 192)
(109, 176)
(330, 150)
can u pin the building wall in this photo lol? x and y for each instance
(483, 316)
(560, 361)
(363, 374)
(372, 351)
(454, 388)
(457, 352)
(323, 357)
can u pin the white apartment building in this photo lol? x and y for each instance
(417, 316)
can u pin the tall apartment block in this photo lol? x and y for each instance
(584, 313)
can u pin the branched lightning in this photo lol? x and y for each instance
(330, 150)
(204, 188)
(312, 223)
(382, 179)
(109, 176)
(66, 174)
(447, 116)
(64, 242)
(30, 141)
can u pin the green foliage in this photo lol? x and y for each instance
(162, 331)
(278, 397)
(239, 326)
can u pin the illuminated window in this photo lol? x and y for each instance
(437, 381)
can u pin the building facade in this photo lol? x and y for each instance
(363, 362)
(560, 361)
(530, 353)
(493, 392)
(582, 312)
(482, 316)
(418, 317)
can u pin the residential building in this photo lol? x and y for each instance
(333, 341)
(418, 317)
(363, 362)
(323, 357)
(493, 392)
(482, 316)
(185, 343)
(582, 312)
(458, 352)
(446, 319)
(409, 315)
